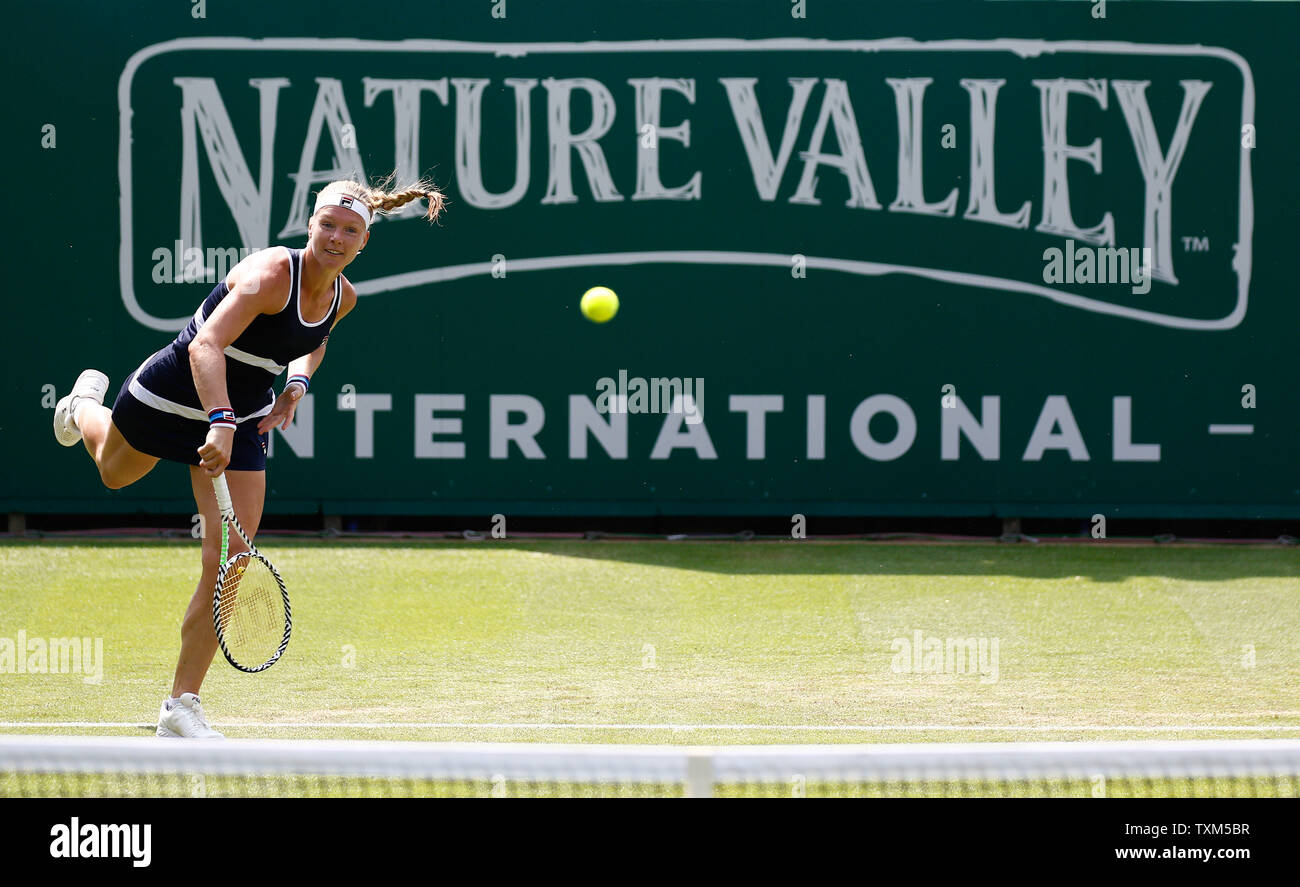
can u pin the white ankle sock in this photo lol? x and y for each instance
(77, 406)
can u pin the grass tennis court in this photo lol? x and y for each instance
(686, 642)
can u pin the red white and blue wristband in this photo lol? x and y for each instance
(221, 417)
(302, 380)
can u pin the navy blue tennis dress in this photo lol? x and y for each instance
(158, 409)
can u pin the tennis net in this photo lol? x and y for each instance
(39, 766)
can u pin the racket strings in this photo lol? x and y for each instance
(250, 610)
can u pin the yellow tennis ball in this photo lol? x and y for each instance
(599, 304)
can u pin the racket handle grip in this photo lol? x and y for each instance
(223, 495)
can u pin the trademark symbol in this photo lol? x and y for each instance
(1196, 244)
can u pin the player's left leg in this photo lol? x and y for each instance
(198, 638)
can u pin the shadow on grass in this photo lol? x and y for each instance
(1098, 562)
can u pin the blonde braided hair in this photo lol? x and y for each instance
(380, 199)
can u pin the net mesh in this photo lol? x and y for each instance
(250, 610)
(96, 767)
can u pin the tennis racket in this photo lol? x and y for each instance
(250, 607)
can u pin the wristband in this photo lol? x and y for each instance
(221, 417)
(302, 380)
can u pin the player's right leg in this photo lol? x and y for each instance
(81, 415)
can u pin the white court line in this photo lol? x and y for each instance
(813, 728)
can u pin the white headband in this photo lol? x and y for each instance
(347, 201)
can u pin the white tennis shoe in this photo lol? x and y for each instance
(182, 718)
(92, 384)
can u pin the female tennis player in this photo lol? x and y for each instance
(206, 399)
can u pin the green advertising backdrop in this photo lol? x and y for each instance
(922, 258)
